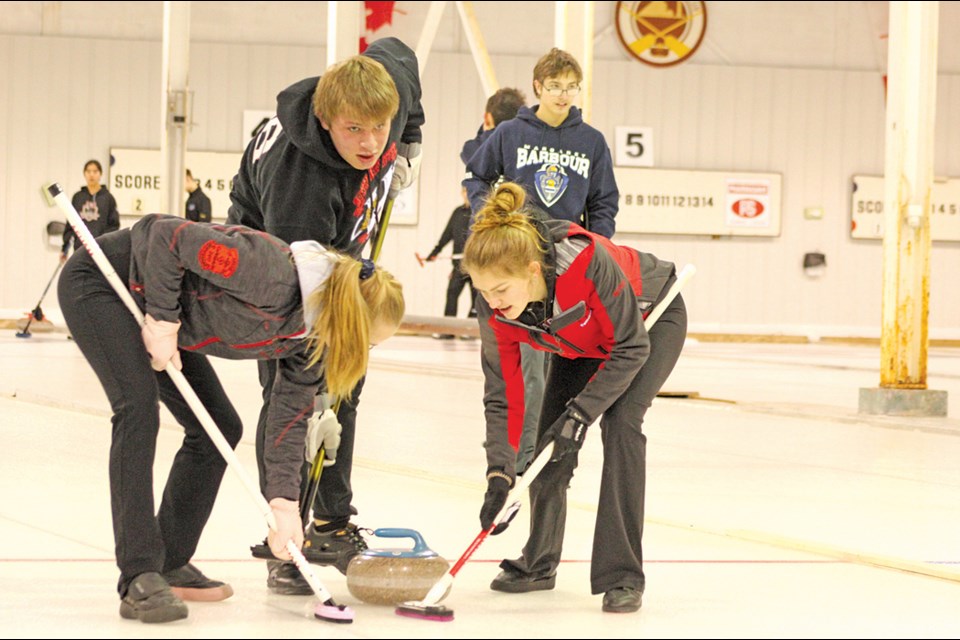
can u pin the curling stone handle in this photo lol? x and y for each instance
(419, 545)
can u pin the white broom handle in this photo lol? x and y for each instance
(80, 228)
(682, 278)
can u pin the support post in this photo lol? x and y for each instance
(908, 180)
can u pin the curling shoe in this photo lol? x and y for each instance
(514, 582)
(188, 583)
(286, 580)
(335, 547)
(149, 599)
(622, 600)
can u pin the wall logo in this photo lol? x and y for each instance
(661, 33)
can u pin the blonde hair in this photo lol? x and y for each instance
(358, 87)
(348, 308)
(502, 238)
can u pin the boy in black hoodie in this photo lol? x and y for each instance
(566, 169)
(323, 169)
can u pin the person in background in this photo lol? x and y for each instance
(561, 289)
(95, 205)
(456, 231)
(198, 207)
(501, 106)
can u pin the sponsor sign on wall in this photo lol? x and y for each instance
(715, 203)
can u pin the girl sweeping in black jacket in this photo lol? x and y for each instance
(232, 292)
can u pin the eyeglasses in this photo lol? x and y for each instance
(556, 92)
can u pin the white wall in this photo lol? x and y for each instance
(68, 99)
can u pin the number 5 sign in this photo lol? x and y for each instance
(633, 146)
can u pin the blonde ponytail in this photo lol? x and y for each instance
(349, 307)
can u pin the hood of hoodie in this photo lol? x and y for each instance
(529, 114)
(295, 112)
(548, 135)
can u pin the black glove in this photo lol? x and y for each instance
(498, 487)
(567, 433)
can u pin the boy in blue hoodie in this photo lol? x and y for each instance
(562, 162)
(566, 168)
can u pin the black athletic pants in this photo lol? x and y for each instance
(457, 281)
(334, 494)
(617, 559)
(110, 339)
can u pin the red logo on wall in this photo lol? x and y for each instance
(748, 208)
(217, 258)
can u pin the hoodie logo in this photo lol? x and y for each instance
(576, 161)
(551, 181)
(269, 134)
(90, 211)
(371, 196)
(218, 258)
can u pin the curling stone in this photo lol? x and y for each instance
(392, 576)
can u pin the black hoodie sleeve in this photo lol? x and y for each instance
(401, 63)
(113, 215)
(244, 196)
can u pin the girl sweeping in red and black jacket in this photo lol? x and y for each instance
(580, 297)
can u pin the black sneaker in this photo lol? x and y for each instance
(188, 583)
(262, 551)
(622, 600)
(286, 580)
(149, 599)
(337, 547)
(516, 582)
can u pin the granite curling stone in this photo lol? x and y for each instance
(393, 576)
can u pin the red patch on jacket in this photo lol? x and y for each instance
(217, 258)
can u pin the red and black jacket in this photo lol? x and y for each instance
(616, 285)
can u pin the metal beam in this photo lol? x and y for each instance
(175, 105)
(429, 33)
(478, 48)
(573, 33)
(908, 176)
(344, 20)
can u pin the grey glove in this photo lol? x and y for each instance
(323, 429)
(407, 168)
